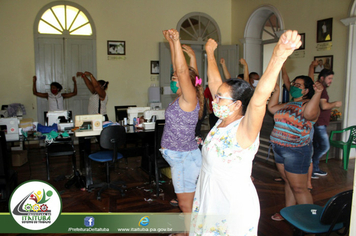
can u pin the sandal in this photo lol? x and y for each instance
(174, 202)
(279, 179)
(277, 217)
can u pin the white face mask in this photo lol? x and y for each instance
(255, 82)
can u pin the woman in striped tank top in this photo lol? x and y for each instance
(292, 137)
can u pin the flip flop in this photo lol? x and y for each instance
(174, 202)
(277, 217)
(279, 179)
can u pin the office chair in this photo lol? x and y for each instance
(121, 112)
(314, 219)
(156, 159)
(111, 138)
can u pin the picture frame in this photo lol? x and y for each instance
(302, 38)
(116, 47)
(324, 30)
(326, 62)
(154, 67)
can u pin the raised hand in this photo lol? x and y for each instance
(314, 63)
(210, 45)
(222, 61)
(318, 87)
(173, 34)
(188, 50)
(34, 79)
(243, 62)
(166, 35)
(288, 42)
(74, 80)
(79, 74)
(87, 73)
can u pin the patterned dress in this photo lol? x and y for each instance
(226, 201)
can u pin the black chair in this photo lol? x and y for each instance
(314, 219)
(121, 112)
(157, 159)
(8, 177)
(111, 138)
(61, 147)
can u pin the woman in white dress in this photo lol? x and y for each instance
(226, 201)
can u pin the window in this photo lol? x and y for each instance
(66, 19)
(270, 28)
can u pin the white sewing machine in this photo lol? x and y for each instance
(89, 125)
(61, 118)
(12, 128)
(158, 113)
(133, 112)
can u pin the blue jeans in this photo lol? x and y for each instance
(321, 145)
(185, 169)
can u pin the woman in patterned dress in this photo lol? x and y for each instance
(226, 201)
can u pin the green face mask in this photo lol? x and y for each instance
(296, 92)
(174, 87)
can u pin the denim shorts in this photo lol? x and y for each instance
(296, 160)
(185, 169)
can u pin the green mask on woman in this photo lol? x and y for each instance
(296, 92)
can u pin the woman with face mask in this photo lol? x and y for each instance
(226, 201)
(292, 137)
(55, 97)
(179, 147)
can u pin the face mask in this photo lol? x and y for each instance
(174, 86)
(296, 92)
(222, 111)
(54, 91)
(255, 82)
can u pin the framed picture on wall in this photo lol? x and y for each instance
(154, 67)
(324, 62)
(116, 47)
(324, 30)
(302, 38)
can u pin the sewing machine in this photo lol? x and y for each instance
(89, 125)
(12, 128)
(158, 113)
(62, 118)
(133, 112)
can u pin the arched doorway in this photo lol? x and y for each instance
(64, 38)
(195, 29)
(263, 27)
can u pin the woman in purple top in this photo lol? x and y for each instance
(179, 147)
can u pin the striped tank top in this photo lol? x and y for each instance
(291, 129)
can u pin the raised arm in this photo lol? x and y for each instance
(214, 77)
(188, 91)
(225, 70)
(34, 89)
(97, 87)
(251, 125)
(273, 104)
(246, 71)
(312, 66)
(312, 108)
(285, 77)
(87, 82)
(166, 36)
(191, 54)
(68, 95)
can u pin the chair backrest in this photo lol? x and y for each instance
(337, 209)
(121, 112)
(113, 137)
(159, 127)
(352, 139)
